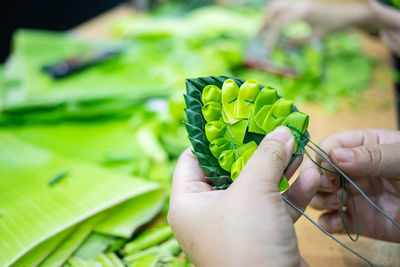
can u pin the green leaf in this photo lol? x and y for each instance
(280, 109)
(246, 99)
(264, 100)
(211, 93)
(212, 111)
(40, 252)
(147, 239)
(94, 244)
(126, 218)
(42, 211)
(230, 91)
(194, 118)
(71, 243)
(77, 262)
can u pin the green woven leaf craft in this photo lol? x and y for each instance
(228, 117)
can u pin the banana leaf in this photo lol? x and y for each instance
(94, 245)
(97, 142)
(125, 219)
(30, 205)
(40, 252)
(70, 244)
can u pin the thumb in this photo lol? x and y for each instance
(369, 161)
(265, 168)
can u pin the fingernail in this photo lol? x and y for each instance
(281, 133)
(343, 154)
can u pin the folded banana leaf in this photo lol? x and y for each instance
(38, 203)
(228, 117)
(71, 243)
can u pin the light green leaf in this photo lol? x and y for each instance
(127, 217)
(29, 205)
(71, 243)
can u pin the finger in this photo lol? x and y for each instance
(369, 161)
(188, 176)
(302, 191)
(385, 15)
(329, 201)
(265, 168)
(309, 164)
(358, 138)
(328, 185)
(292, 168)
(332, 222)
(346, 139)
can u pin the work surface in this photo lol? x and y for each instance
(377, 111)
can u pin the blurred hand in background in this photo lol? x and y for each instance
(323, 17)
(388, 20)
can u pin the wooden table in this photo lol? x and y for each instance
(377, 112)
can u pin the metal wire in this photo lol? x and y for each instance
(327, 233)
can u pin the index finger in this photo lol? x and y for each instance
(189, 176)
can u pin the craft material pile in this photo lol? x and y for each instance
(87, 160)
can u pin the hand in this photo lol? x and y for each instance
(247, 224)
(324, 17)
(371, 158)
(389, 24)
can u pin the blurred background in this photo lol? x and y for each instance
(91, 113)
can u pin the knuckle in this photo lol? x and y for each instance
(373, 155)
(275, 150)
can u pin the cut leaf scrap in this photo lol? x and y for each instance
(249, 112)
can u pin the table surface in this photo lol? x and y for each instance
(377, 111)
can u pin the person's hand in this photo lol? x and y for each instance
(324, 17)
(371, 158)
(388, 20)
(247, 224)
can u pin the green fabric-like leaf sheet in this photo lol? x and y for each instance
(238, 165)
(218, 145)
(230, 91)
(264, 101)
(236, 131)
(228, 157)
(246, 99)
(211, 93)
(212, 111)
(299, 121)
(215, 129)
(281, 108)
